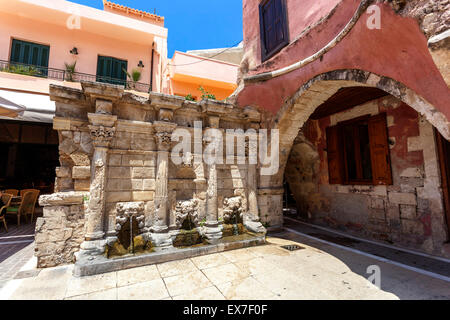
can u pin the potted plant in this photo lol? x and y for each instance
(70, 70)
(134, 77)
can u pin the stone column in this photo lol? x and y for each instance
(213, 230)
(102, 132)
(251, 219)
(160, 228)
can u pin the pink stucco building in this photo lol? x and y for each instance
(62, 32)
(39, 39)
(360, 93)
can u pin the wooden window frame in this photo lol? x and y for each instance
(339, 156)
(265, 55)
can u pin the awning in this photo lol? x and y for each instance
(22, 106)
(9, 109)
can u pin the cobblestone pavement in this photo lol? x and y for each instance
(16, 248)
(316, 271)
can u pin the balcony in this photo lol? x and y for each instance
(63, 75)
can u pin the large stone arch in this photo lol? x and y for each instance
(297, 110)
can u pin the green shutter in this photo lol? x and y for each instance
(30, 53)
(110, 70)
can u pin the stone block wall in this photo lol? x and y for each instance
(408, 213)
(60, 232)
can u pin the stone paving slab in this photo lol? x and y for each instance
(268, 272)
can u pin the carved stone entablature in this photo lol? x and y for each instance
(163, 134)
(165, 114)
(125, 210)
(186, 210)
(233, 210)
(102, 136)
(214, 121)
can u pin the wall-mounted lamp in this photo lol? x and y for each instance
(74, 51)
(140, 64)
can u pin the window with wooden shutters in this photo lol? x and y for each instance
(33, 54)
(273, 27)
(334, 155)
(379, 150)
(111, 70)
(358, 152)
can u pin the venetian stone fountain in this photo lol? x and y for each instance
(120, 201)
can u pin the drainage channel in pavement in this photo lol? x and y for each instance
(425, 262)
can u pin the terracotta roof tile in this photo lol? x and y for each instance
(128, 10)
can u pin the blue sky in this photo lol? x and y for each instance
(192, 24)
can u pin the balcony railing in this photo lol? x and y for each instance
(63, 75)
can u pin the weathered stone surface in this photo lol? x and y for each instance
(63, 172)
(59, 234)
(403, 198)
(439, 46)
(81, 172)
(408, 212)
(412, 227)
(82, 185)
(433, 16)
(80, 159)
(377, 203)
(63, 198)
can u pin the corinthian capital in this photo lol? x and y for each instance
(163, 134)
(102, 136)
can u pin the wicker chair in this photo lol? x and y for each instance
(35, 197)
(6, 199)
(24, 207)
(13, 192)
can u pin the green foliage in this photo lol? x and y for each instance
(21, 69)
(189, 97)
(203, 222)
(134, 77)
(70, 70)
(206, 94)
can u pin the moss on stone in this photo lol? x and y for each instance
(229, 229)
(188, 238)
(116, 250)
(139, 243)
